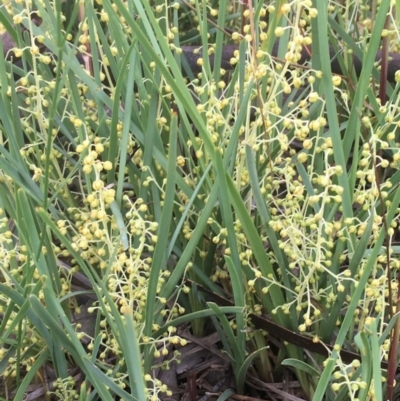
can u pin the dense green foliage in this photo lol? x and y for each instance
(138, 197)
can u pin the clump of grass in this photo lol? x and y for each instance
(274, 184)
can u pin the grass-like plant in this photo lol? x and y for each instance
(250, 190)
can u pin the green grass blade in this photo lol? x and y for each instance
(363, 345)
(21, 393)
(241, 375)
(301, 365)
(159, 257)
(133, 359)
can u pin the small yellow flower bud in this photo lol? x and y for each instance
(336, 80)
(279, 31)
(97, 185)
